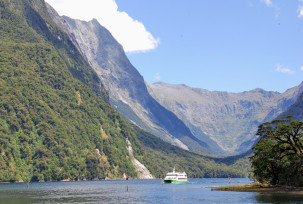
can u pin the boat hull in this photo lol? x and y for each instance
(175, 181)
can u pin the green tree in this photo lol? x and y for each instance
(278, 157)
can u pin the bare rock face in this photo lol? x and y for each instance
(127, 89)
(143, 172)
(230, 119)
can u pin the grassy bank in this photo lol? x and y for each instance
(258, 187)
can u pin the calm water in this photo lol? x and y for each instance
(139, 191)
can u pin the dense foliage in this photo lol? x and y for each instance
(278, 157)
(162, 157)
(51, 124)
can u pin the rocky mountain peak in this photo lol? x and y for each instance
(230, 119)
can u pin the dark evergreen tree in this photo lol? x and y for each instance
(278, 157)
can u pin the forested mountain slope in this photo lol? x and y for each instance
(162, 157)
(54, 122)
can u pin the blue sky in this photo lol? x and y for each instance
(233, 46)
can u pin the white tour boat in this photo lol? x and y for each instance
(176, 177)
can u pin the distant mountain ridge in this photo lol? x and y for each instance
(127, 90)
(230, 119)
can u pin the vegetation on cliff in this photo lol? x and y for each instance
(162, 157)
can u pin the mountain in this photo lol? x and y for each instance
(229, 119)
(55, 119)
(127, 89)
(193, 119)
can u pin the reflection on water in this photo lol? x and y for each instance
(139, 191)
(279, 198)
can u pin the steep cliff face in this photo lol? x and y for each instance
(127, 90)
(230, 119)
(295, 110)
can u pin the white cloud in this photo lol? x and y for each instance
(130, 33)
(157, 76)
(301, 68)
(267, 2)
(300, 11)
(283, 69)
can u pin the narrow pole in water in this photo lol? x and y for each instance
(127, 184)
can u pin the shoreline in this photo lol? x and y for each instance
(258, 187)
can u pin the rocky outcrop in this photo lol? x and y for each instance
(143, 172)
(229, 119)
